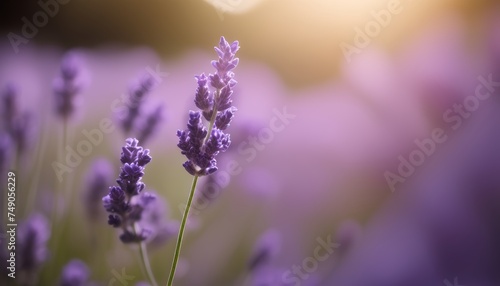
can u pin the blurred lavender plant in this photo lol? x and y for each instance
(265, 249)
(32, 237)
(68, 85)
(154, 219)
(200, 144)
(9, 104)
(99, 178)
(16, 124)
(127, 201)
(150, 124)
(75, 273)
(137, 92)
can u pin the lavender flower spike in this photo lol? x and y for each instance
(201, 144)
(68, 85)
(9, 104)
(33, 235)
(75, 273)
(98, 178)
(126, 202)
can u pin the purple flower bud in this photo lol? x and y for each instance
(114, 220)
(75, 273)
(199, 148)
(218, 142)
(115, 201)
(216, 81)
(203, 98)
(197, 131)
(9, 105)
(223, 119)
(150, 125)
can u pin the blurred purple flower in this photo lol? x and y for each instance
(68, 84)
(147, 129)
(126, 202)
(196, 143)
(99, 177)
(5, 152)
(9, 105)
(347, 234)
(154, 220)
(32, 237)
(75, 273)
(137, 92)
(16, 123)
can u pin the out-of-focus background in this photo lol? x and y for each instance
(365, 140)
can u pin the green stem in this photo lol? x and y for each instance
(190, 200)
(145, 260)
(181, 232)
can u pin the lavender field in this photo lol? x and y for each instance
(250, 143)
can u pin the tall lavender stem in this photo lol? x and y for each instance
(199, 145)
(66, 86)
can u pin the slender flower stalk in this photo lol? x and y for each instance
(200, 144)
(127, 201)
(137, 92)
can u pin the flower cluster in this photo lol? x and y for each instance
(199, 144)
(126, 202)
(15, 123)
(32, 239)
